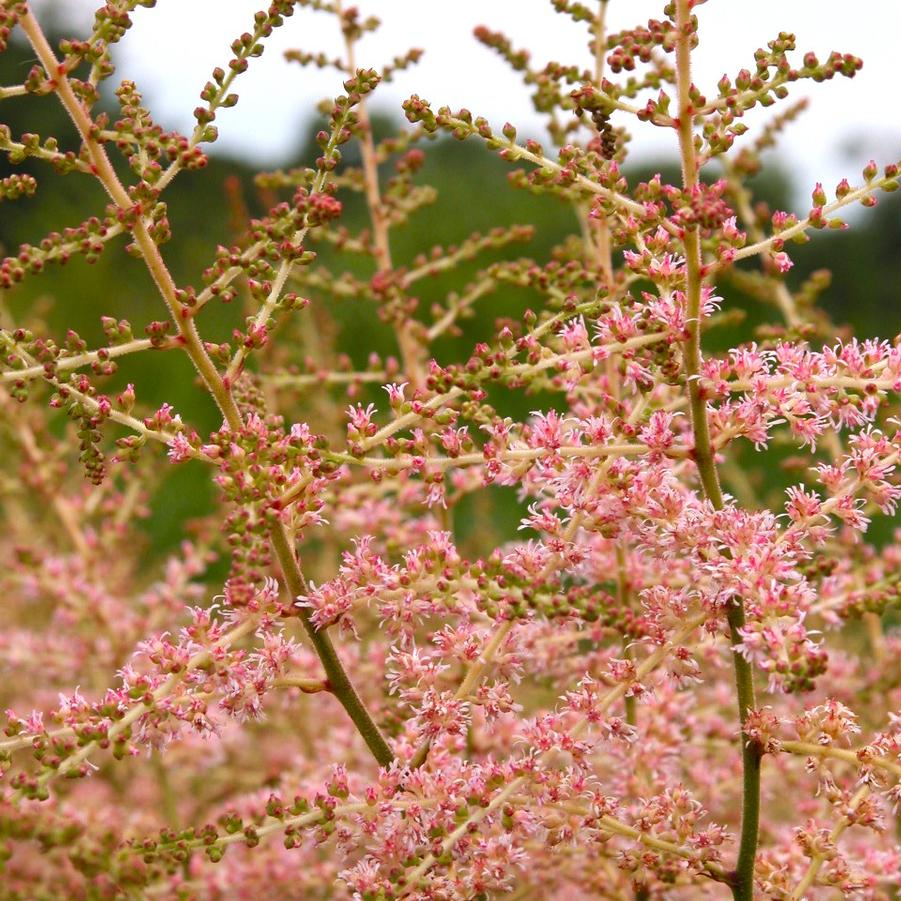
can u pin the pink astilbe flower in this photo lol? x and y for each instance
(599, 605)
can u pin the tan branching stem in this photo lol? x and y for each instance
(153, 259)
(68, 517)
(339, 682)
(76, 361)
(497, 638)
(783, 297)
(75, 760)
(615, 694)
(819, 859)
(470, 681)
(846, 755)
(603, 227)
(411, 348)
(743, 885)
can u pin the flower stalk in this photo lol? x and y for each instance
(743, 881)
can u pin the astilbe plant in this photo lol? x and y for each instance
(657, 691)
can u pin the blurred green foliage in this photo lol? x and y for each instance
(473, 195)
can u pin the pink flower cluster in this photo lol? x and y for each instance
(637, 642)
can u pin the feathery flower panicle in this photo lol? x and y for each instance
(487, 639)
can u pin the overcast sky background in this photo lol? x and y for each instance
(173, 48)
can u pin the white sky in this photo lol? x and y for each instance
(174, 47)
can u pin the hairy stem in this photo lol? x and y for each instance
(106, 175)
(743, 884)
(339, 681)
(411, 350)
